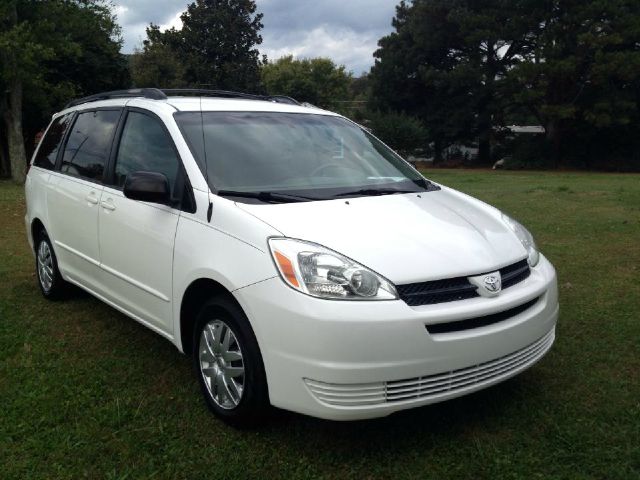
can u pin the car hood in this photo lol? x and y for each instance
(404, 237)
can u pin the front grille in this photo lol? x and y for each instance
(432, 387)
(459, 288)
(514, 273)
(478, 322)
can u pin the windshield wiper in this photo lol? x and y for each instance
(275, 197)
(375, 191)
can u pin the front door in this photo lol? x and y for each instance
(137, 238)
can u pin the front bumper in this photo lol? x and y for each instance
(348, 360)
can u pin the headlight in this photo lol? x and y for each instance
(320, 272)
(525, 238)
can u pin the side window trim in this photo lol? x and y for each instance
(45, 136)
(109, 170)
(34, 157)
(111, 164)
(63, 145)
(76, 114)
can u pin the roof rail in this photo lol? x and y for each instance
(283, 99)
(151, 93)
(157, 94)
(201, 92)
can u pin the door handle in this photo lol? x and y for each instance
(91, 198)
(108, 206)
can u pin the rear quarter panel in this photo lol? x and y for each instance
(36, 188)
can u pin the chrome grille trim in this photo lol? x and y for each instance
(430, 386)
(458, 288)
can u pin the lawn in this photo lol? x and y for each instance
(86, 392)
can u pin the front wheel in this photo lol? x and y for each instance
(228, 363)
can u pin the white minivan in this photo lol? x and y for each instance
(300, 261)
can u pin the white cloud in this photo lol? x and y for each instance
(134, 16)
(343, 46)
(175, 22)
(347, 31)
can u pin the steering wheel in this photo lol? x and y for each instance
(326, 166)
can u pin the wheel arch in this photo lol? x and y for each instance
(36, 227)
(194, 296)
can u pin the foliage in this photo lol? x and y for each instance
(156, 66)
(446, 62)
(464, 66)
(215, 46)
(65, 48)
(401, 132)
(527, 151)
(318, 81)
(586, 92)
(56, 50)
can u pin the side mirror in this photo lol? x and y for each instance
(147, 187)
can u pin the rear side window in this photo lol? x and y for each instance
(50, 144)
(146, 146)
(89, 144)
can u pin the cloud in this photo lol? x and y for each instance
(134, 16)
(347, 31)
(343, 46)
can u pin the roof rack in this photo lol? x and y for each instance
(201, 92)
(151, 93)
(283, 99)
(157, 94)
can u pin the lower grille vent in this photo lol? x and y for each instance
(478, 322)
(431, 387)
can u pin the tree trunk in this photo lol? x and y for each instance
(11, 108)
(553, 139)
(485, 129)
(15, 140)
(437, 152)
(5, 169)
(484, 149)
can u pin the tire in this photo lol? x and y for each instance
(228, 364)
(50, 281)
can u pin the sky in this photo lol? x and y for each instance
(347, 31)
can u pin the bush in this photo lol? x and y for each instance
(401, 132)
(528, 151)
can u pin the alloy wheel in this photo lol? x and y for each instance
(45, 266)
(222, 364)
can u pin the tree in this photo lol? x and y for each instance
(156, 66)
(216, 44)
(20, 56)
(52, 51)
(318, 81)
(446, 62)
(582, 82)
(400, 131)
(466, 66)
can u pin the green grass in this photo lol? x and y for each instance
(86, 392)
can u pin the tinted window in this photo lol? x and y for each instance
(309, 154)
(50, 144)
(146, 146)
(89, 143)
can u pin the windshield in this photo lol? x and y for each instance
(308, 156)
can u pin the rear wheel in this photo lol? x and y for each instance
(228, 363)
(51, 283)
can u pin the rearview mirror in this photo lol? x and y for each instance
(147, 187)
